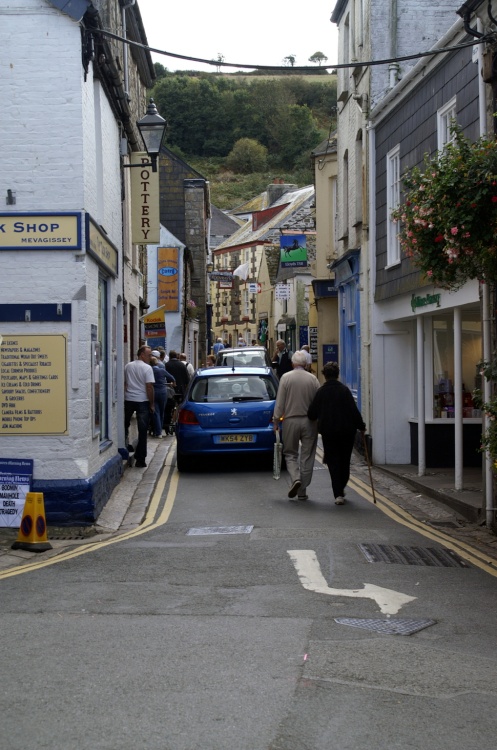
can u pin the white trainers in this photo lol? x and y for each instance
(339, 500)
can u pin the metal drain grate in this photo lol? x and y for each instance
(427, 556)
(206, 530)
(389, 627)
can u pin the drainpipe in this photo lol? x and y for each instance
(420, 345)
(126, 4)
(485, 298)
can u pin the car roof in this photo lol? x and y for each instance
(229, 349)
(237, 369)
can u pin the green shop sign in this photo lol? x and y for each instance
(429, 299)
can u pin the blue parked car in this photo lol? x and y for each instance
(227, 411)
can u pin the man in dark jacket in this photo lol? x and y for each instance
(282, 360)
(179, 372)
(338, 420)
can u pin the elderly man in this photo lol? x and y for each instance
(295, 394)
(282, 360)
(139, 397)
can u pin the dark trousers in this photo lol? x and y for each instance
(142, 409)
(337, 452)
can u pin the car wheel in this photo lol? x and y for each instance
(181, 462)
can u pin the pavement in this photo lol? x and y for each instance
(431, 500)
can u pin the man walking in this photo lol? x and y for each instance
(282, 360)
(139, 397)
(217, 347)
(295, 394)
(338, 419)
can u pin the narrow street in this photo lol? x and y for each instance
(219, 628)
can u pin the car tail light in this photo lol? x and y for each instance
(187, 417)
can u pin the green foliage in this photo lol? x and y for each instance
(208, 113)
(449, 217)
(246, 156)
(318, 57)
(489, 437)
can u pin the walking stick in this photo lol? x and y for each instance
(369, 466)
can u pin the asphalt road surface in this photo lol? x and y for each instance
(237, 620)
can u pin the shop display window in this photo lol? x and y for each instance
(443, 364)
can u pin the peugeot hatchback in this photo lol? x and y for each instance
(227, 411)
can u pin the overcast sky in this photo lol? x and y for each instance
(260, 32)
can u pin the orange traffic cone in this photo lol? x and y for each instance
(33, 529)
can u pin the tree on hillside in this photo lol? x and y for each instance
(160, 71)
(318, 57)
(295, 133)
(247, 156)
(290, 60)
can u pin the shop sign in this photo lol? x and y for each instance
(15, 482)
(155, 323)
(168, 278)
(145, 219)
(226, 276)
(282, 291)
(293, 251)
(33, 385)
(254, 288)
(429, 299)
(40, 231)
(101, 248)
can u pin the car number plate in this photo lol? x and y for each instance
(236, 438)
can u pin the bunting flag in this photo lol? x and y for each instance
(242, 271)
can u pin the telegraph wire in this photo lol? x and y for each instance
(307, 68)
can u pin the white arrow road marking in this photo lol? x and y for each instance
(309, 572)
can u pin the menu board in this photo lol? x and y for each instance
(33, 385)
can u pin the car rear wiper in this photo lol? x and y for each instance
(248, 398)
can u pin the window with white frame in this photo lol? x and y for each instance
(393, 200)
(246, 302)
(446, 118)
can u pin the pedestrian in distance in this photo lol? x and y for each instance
(189, 367)
(337, 417)
(241, 342)
(210, 361)
(180, 373)
(156, 356)
(295, 394)
(217, 347)
(282, 360)
(162, 377)
(139, 398)
(307, 352)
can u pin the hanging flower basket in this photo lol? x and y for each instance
(191, 309)
(448, 221)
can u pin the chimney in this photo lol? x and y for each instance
(279, 188)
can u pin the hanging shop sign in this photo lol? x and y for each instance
(168, 278)
(293, 251)
(226, 276)
(155, 323)
(100, 247)
(33, 385)
(40, 231)
(282, 291)
(145, 217)
(254, 288)
(15, 482)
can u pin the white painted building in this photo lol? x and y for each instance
(69, 276)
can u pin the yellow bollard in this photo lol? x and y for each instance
(33, 529)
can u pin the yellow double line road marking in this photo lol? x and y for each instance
(153, 519)
(472, 555)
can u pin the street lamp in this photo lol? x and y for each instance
(152, 129)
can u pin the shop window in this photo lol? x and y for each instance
(393, 200)
(443, 363)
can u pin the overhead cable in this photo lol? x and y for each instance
(295, 68)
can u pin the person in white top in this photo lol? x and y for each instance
(139, 382)
(308, 355)
(189, 366)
